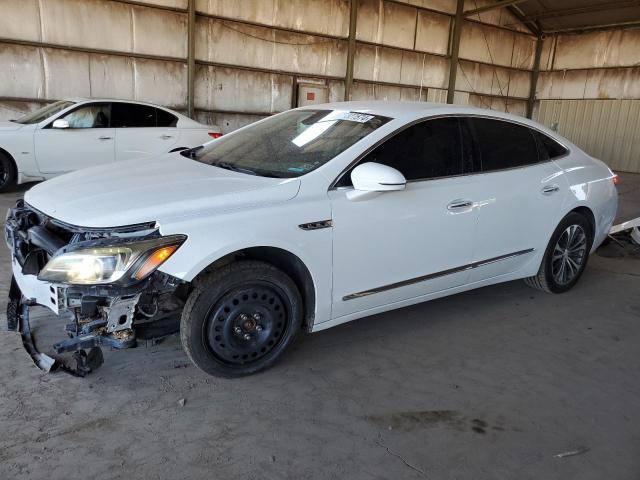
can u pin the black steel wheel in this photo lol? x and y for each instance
(8, 173)
(239, 319)
(247, 323)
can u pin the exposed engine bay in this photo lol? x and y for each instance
(116, 314)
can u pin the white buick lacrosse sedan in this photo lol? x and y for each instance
(302, 221)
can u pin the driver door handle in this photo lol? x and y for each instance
(104, 138)
(459, 205)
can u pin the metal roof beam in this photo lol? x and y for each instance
(493, 6)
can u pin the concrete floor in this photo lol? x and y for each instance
(493, 383)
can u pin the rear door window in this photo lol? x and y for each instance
(131, 115)
(501, 144)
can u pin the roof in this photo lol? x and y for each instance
(379, 107)
(395, 109)
(548, 16)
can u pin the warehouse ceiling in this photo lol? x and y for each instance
(548, 16)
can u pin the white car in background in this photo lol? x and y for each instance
(305, 220)
(77, 133)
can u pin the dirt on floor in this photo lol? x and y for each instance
(500, 382)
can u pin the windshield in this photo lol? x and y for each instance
(290, 144)
(44, 112)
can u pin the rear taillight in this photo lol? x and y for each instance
(215, 134)
(615, 179)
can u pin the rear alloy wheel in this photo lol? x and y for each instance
(566, 256)
(8, 173)
(240, 319)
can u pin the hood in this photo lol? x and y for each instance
(9, 126)
(164, 189)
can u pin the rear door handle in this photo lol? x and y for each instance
(104, 138)
(166, 137)
(549, 189)
(458, 205)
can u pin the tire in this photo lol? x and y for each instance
(8, 173)
(552, 277)
(240, 319)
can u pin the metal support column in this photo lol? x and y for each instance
(534, 77)
(455, 48)
(351, 52)
(191, 56)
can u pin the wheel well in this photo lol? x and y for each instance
(285, 261)
(588, 214)
(8, 155)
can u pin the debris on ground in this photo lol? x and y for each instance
(572, 453)
(181, 402)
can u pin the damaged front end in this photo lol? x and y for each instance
(105, 280)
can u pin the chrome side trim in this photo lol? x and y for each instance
(316, 225)
(431, 276)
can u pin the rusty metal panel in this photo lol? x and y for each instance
(396, 66)
(240, 90)
(329, 17)
(548, 52)
(20, 20)
(111, 76)
(596, 84)
(228, 122)
(368, 91)
(606, 129)
(66, 73)
(159, 82)
(245, 45)
(22, 73)
(611, 48)
(509, 105)
(437, 95)
(159, 32)
(497, 46)
(386, 23)
(492, 80)
(336, 90)
(113, 26)
(90, 23)
(446, 6)
(432, 32)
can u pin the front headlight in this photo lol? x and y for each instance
(125, 262)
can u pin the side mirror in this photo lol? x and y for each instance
(60, 123)
(375, 177)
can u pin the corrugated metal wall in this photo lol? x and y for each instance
(589, 88)
(251, 54)
(606, 129)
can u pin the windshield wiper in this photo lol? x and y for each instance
(234, 168)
